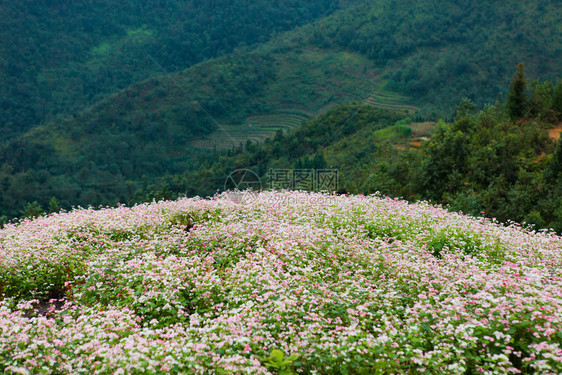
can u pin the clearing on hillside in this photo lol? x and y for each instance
(555, 133)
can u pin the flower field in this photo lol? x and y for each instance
(293, 283)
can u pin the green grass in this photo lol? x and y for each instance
(400, 131)
(110, 50)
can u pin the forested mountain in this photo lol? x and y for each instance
(58, 56)
(127, 96)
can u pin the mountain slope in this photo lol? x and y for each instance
(402, 55)
(59, 56)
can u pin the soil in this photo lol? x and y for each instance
(555, 132)
(42, 308)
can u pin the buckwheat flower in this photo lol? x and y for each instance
(17, 370)
(457, 368)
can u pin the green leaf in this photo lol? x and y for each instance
(274, 365)
(276, 355)
(293, 357)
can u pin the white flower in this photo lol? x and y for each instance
(17, 370)
(456, 367)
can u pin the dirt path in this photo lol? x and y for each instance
(555, 132)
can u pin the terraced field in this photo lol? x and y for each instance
(258, 128)
(392, 101)
(255, 129)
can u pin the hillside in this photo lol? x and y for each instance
(414, 57)
(504, 162)
(59, 57)
(292, 283)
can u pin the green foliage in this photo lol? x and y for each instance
(445, 44)
(516, 97)
(540, 103)
(554, 169)
(277, 362)
(64, 57)
(54, 205)
(400, 130)
(403, 131)
(43, 281)
(557, 99)
(490, 168)
(188, 220)
(453, 242)
(445, 162)
(33, 210)
(481, 163)
(81, 125)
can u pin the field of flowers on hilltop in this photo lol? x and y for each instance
(291, 283)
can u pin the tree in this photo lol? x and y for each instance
(557, 99)
(464, 116)
(54, 205)
(318, 162)
(540, 98)
(33, 209)
(464, 109)
(554, 169)
(445, 163)
(516, 98)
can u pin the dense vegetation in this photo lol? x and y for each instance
(499, 162)
(294, 283)
(109, 125)
(105, 102)
(59, 56)
(442, 51)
